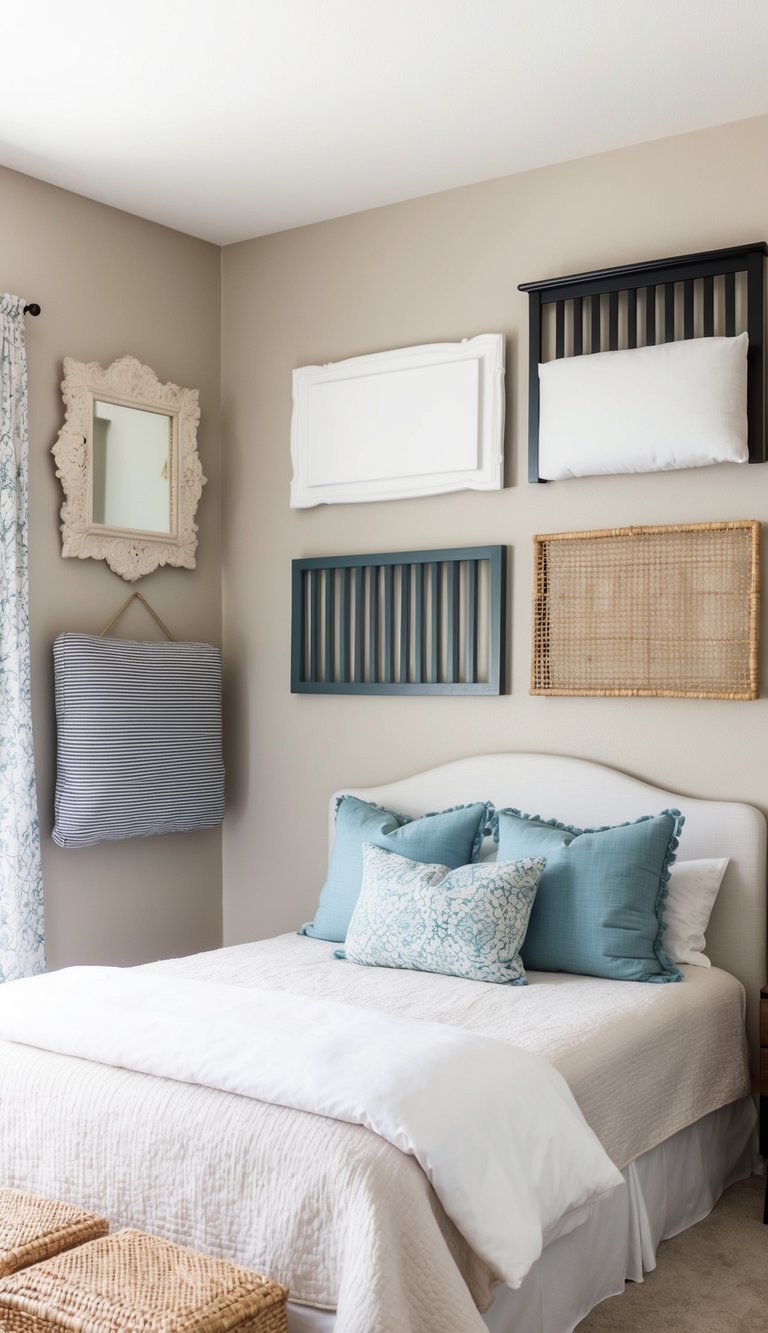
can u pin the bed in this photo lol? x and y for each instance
(659, 1072)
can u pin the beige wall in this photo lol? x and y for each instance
(438, 268)
(447, 267)
(111, 284)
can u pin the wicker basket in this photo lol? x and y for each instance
(134, 1283)
(32, 1229)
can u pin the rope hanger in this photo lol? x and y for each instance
(136, 596)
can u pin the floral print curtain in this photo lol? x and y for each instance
(21, 885)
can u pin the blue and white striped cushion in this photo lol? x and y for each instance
(139, 738)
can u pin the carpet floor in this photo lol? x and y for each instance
(712, 1278)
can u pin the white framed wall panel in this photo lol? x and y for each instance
(415, 421)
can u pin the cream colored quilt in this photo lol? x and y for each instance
(339, 1215)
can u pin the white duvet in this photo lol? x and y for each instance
(495, 1129)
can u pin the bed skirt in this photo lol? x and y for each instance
(670, 1188)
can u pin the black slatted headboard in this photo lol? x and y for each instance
(638, 305)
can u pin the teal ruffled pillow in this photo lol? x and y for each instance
(599, 908)
(451, 837)
(468, 922)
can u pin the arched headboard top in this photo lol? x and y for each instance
(580, 792)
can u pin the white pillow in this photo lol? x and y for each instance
(647, 409)
(691, 893)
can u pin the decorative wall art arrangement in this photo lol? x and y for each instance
(405, 622)
(641, 368)
(648, 611)
(415, 421)
(645, 367)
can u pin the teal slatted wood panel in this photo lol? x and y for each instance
(403, 622)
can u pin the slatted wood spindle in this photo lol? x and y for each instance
(436, 627)
(632, 317)
(357, 675)
(688, 308)
(613, 322)
(314, 622)
(329, 620)
(595, 324)
(389, 624)
(405, 623)
(650, 316)
(471, 637)
(730, 305)
(344, 627)
(669, 312)
(709, 306)
(559, 329)
(420, 621)
(453, 620)
(578, 325)
(373, 623)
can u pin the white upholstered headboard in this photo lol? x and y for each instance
(579, 792)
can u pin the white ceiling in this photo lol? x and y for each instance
(234, 118)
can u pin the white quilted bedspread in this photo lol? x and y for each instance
(338, 1214)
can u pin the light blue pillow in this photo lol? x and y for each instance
(599, 909)
(452, 837)
(468, 922)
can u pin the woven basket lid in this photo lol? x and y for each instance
(134, 1282)
(34, 1228)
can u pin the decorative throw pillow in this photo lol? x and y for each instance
(691, 893)
(468, 922)
(138, 738)
(599, 908)
(672, 405)
(452, 837)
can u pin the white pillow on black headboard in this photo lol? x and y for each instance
(647, 409)
(138, 738)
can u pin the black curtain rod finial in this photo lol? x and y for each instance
(32, 309)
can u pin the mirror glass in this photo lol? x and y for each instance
(132, 466)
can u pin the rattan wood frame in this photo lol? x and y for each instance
(659, 612)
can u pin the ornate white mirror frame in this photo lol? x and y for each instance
(130, 552)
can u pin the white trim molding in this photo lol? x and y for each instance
(414, 421)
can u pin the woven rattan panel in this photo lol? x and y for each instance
(648, 611)
(32, 1228)
(135, 1283)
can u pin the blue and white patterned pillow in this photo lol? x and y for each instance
(468, 922)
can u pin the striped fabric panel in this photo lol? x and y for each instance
(139, 738)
